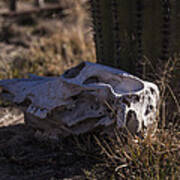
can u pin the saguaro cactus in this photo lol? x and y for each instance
(114, 35)
(128, 30)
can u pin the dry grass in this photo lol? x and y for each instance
(71, 44)
(54, 45)
(61, 51)
(151, 157)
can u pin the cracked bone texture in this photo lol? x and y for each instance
(85, 98)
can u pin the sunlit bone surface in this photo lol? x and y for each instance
(85, 98)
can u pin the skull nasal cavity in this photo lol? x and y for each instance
(74, 71)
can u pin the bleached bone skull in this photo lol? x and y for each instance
(87, 97)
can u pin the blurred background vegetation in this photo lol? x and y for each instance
(45, 43)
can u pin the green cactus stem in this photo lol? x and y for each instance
(175, 25)
(152, 29)
(126, 31)
(124, 34)
(103, 26)
(113, 24)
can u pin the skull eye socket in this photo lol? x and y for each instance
(73, 72)
(92, 79)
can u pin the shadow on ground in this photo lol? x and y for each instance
(22, 156)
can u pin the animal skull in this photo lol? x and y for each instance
(87, 97)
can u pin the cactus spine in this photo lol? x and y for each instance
(128, 30)
(113, 20)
